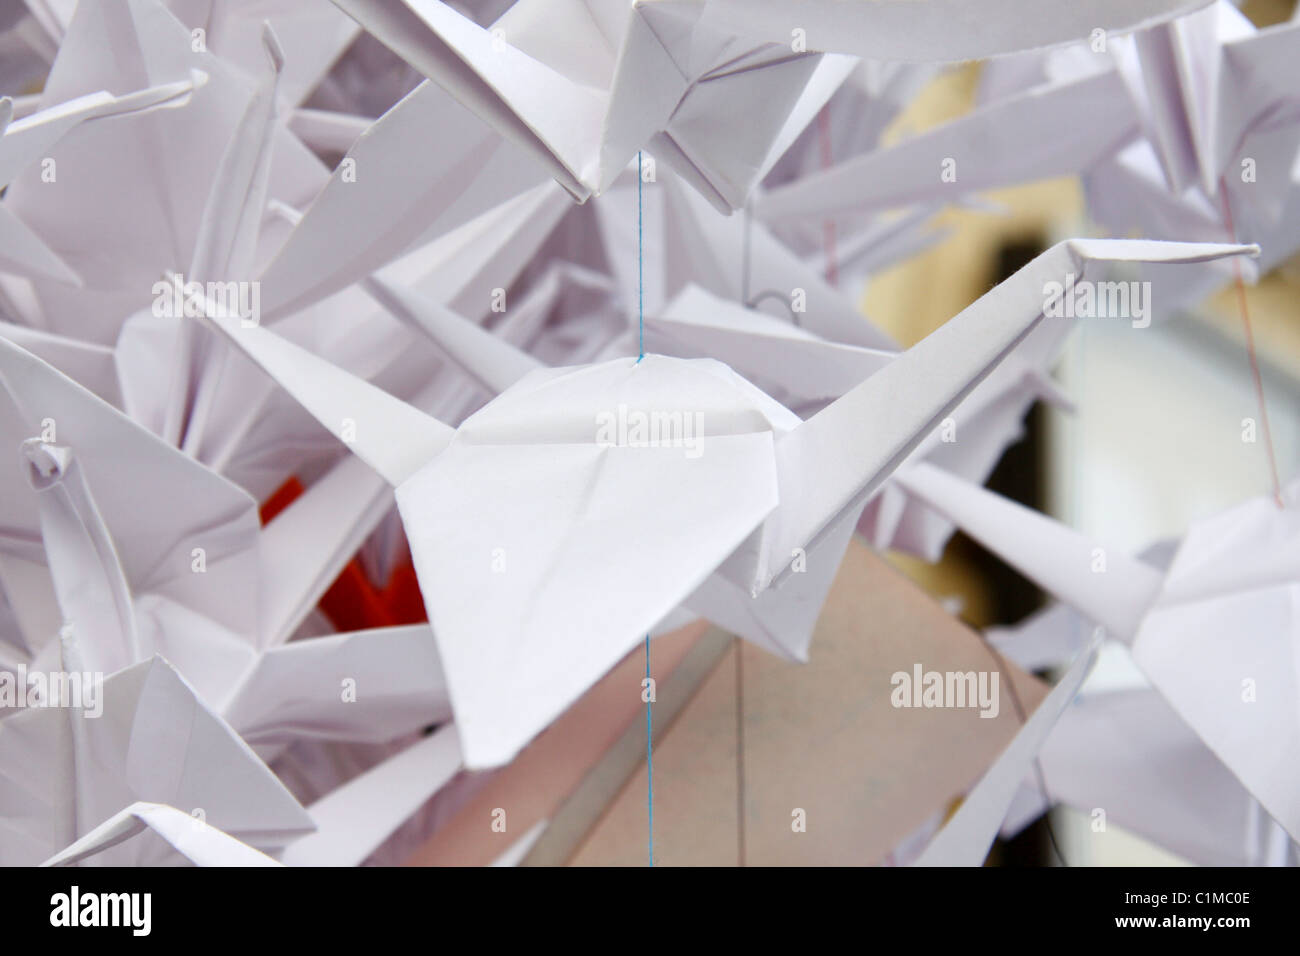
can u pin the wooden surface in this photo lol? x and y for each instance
(536, 783)
(822, 737)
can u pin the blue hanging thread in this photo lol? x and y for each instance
(640, 332)
(640, 267)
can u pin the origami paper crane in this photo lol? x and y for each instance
(625, 74)
(25, 141)
(1200, 142)
(196, 581)
(155, 741)
(677, 76)
(1222, 654)
(127, 592)
(492, 563)
(1127, 752)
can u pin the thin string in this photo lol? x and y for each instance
(746, 239)
(649, 763)
(828, 225)
(1250, 349)
(640, 266)
(649, 720)
(740, 754)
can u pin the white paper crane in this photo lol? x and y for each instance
(529, 510)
